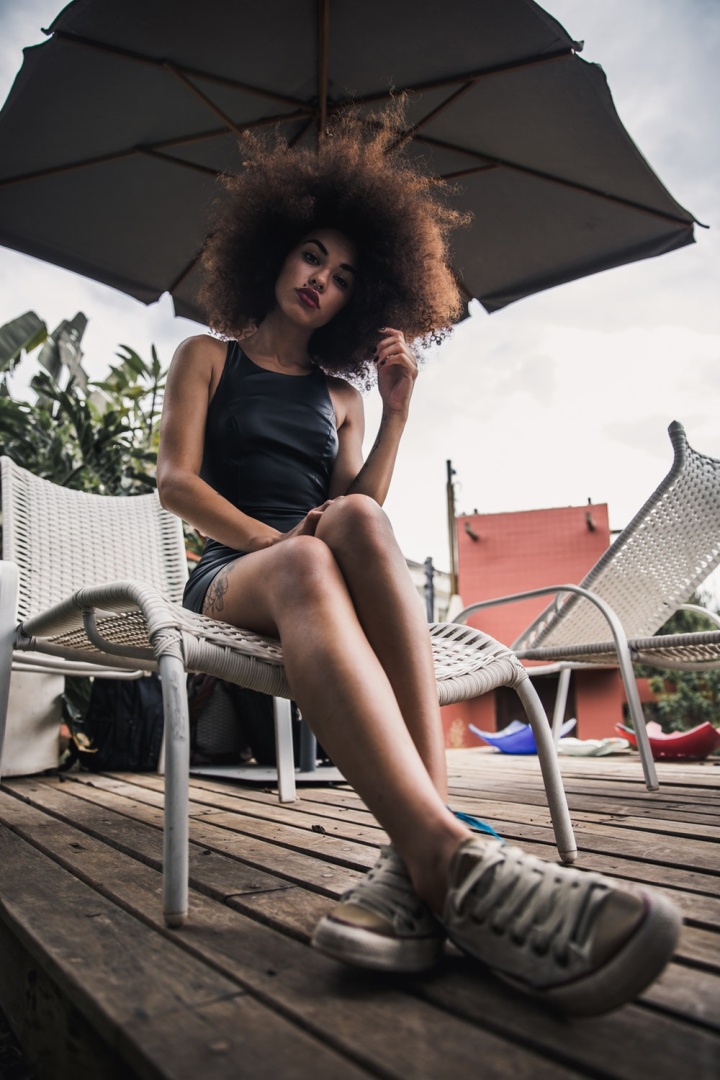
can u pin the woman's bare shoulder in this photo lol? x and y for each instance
(343, 389)
(199, 348)
(199, 359)
(346, 399)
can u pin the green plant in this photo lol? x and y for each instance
(102, 439)
(684, 698)
(105, 442)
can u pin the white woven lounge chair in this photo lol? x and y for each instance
(648, 573)
(94, 583)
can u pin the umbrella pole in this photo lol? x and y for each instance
(322, 78)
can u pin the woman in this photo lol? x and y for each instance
(325, 263)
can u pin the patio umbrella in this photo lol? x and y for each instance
(116, 128)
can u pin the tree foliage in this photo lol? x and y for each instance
(105, 442)
(685, 698)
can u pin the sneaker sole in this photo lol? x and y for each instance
(362, 948)
(621, 979)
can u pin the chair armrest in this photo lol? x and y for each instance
(557, 590)
(711, 615)
(549, 590)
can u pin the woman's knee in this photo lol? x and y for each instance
(306, 568)
(354, 520)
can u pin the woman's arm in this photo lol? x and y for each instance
(397, 371)
(194, 374)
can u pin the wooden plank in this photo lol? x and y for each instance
(314, 801)
(291, 867)
(608, 777)
(218, 878)
(123, 978)
(615, 1044)
(514, 768)
(629, 1044)
(535, 840)
(687, 992)
(517, 790)
(56, 1039)
(345, 850)
(671, 774)
(296, 814)
(365, 1018)
(665, 851)
(698, 906)
(321, 818)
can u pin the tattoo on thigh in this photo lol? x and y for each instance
(214, 598)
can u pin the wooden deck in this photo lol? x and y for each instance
(96, 987)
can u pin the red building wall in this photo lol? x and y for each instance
(516, 552)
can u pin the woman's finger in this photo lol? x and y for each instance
(397, 356)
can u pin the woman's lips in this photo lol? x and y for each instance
(310, 298)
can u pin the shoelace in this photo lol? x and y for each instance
(391, 891)
(476, 824)
(530, 898)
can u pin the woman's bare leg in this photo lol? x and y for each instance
(295, 590)
(360, 537)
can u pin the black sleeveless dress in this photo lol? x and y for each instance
(270, 446)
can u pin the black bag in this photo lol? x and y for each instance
(217, 736)
(229, 724)
(124, 724)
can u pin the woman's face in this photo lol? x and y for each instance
(317, 278)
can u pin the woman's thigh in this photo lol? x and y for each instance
(254, 590)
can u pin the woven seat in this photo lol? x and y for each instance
(61, 603)
(652, 569)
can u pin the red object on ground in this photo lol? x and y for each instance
(696, 743)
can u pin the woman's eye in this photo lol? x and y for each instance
(311, 257)
(341, 282)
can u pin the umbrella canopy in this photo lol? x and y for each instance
(117, 127)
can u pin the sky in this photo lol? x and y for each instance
(561, 397)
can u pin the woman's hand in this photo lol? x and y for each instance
(307, 526)
(397, 370)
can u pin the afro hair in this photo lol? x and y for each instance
(358, 180)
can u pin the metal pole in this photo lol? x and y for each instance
(451, 528)
(429, 589)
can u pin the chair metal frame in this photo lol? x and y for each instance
(94, 583)
(649, 572)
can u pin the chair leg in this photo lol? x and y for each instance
(560, 703)
(308, 749)
(9, 580)
(547, 754)
(282, 711)
(638, 718)
(177, 766)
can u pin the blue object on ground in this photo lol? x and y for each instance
(516, 738)
(476, 824)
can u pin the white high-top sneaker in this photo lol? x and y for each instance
(579, 941)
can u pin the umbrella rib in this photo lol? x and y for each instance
(494, 162)
(185, 273)
(467, 172)
(299, 134)
(323, 53)
(148, 151)
(58, 170)
(140, 58)
(411, 132)
(181, 140)
(470, 77)
(265, 121)
(182, 77)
